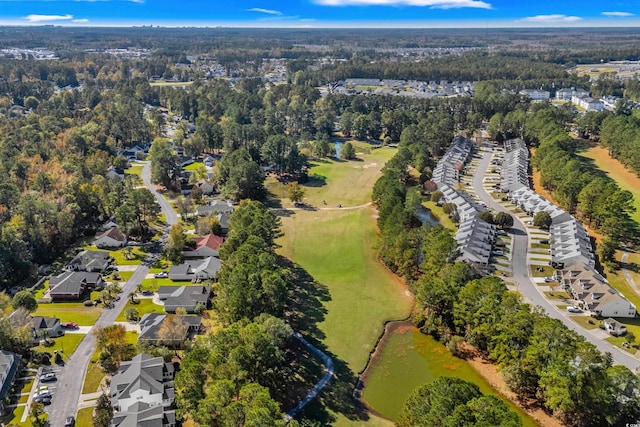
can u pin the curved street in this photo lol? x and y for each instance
(521, 276)
(170, 215)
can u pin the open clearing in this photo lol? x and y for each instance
(626, 179)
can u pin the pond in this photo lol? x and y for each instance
(338, 147)
(425, 215)
(408, 359)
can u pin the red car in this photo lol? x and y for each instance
(69, 325)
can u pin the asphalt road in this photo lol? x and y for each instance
(526, 286)
(167, 210)
(71, 376)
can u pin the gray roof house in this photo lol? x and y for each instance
(151, 323)
(9, 364)
(45, 327)
(183, 296)
(476, 239)
(196, 270)
(90, 261)
(144, 378)
(217, 206)
(73, 284)
(141, 414)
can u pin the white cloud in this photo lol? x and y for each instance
(433, 4)
(80, 21)
(551, 19)
(44, 18)
(267, 11)
(621, 14)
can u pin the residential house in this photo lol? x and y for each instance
(109, 224)
(188, 297)
(588, 103)
(216, 207)
(475, 239)
(447, 170)
(151, 323)
(141, 414)
(206, 246)
(45, 327)
(114, 172)
(184, 160)
(593, 293)
(143, 379)
(614, 327)
(112, 238)
(74, 285)
(208, 161)
(223, 220)
(515, 166)
(90, 261)
(196, 270)
(206, 187)
(9, 364)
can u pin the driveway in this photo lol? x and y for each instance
(71, 376)
(525, 284)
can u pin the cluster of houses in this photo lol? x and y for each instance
(142, 393)
(475, 237)
(576, 96)
(571, 248)
(411, 88)
(82, 275)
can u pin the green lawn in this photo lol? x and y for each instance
(618, 281)
(85, 417)
(137, 255)
(70, 312)
(547, 272)
(193, 166)
(145, 306)
(584, 321)
(65, 344)
(153, 284)
(560, 295)
(349, 183)
(94, 376)
(618, 341)
(135, 169)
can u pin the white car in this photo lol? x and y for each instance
(574, 309)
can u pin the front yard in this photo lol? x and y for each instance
(65, 345)
(70, 312)
(143, 306)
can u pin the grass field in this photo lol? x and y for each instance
(70, 312)
(438, 213)
(626, 179)
(93, 377)
(410, 359)
(137, 255)
(65, 344)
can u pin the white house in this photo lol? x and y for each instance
(112, 238)
(144, 379)
(536, 95)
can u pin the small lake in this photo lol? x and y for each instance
(338, 147)
(425, 215)
(408, 359)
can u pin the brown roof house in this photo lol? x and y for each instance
(112, 238)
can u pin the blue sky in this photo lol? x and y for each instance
(324, 13)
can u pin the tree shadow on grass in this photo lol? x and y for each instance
(315, 181)
(304, 312)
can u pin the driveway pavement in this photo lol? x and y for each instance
(525, 284)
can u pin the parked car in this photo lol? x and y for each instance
(147, 293)
(548, 279)
(42, 394)
(161, 275)
(43, 388)
(43, 399)
(574, 309)
(544, 242)
(70, 421)
(497, 253)
(48, 377)
(69, 325)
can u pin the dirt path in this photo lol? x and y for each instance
(489, 372)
